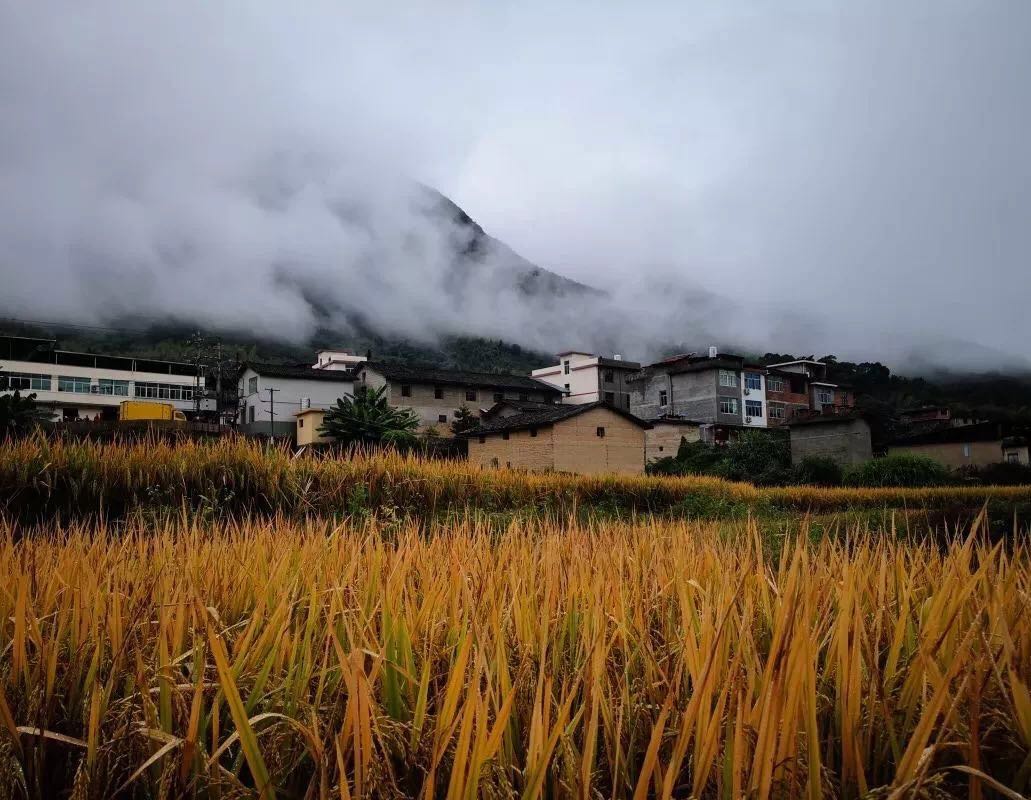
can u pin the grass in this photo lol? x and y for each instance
(42, 478)
(288, 657)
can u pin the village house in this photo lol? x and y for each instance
(587, 378)
(435, 394)
(85, 386)
(975, 445)
(727, 393)
(273, 395)
(589, 438)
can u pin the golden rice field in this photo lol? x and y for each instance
(41, 478)
(297, 658)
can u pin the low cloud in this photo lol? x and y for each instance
(834, 181)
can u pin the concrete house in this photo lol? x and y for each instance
(73, 386)
(588, 438)
(720, 391)
(845, 439)
(822, 396)
(271, 396)
(587, 378)
(436, 394)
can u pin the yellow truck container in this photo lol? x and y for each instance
(142, 409)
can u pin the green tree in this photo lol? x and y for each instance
(464, 420)
(368, 419)
(18, 414)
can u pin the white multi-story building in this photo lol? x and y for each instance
(272, 395)
(587, 378)
(89, 386)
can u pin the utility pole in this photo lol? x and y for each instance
(272, 408)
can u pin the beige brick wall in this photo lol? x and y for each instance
(663, 441)
(519, 451)
(579, 449)
(979, 454)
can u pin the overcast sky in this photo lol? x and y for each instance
(844, 177)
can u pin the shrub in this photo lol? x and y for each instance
(1001, 474)
(818, 471)
(902, 470)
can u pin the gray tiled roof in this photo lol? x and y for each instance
(535, 419)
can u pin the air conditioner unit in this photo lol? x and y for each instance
(748, 419)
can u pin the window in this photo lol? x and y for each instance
(252, 385)
(499, 396)
(776, 412)
(774, 384)
(438, 392)
(483, 440)
(825, 396)
(113, 387)
(565, 367)
(567, 387)
(164, 391)
(505, 436)
(610, 376)
(406, 390)
(1012, 457)
(753, 408)
(966, 451)
(24, 380)
(660, 448)
(250, 414)
(73, 384)
(728, 405)
(600, 432)
(442, 418)
(470, 395)
(663, 397)
(843, 397)
(533, 433)
(300, 422)
(524, 397)
(728, 377)
(753, 380)
(610, 398)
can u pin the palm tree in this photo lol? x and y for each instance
(18, 414)
(367, 419)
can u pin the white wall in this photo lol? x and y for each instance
(758, 395)
(90, 404)
(322, 394)
(583, 378)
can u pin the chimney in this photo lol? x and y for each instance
(617, 357)
(713, 351)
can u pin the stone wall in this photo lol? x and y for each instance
(663, 439)
(847, 441)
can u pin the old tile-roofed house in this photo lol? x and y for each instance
(435, 393)
(588, 438)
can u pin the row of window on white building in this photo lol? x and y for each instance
(26, 381)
